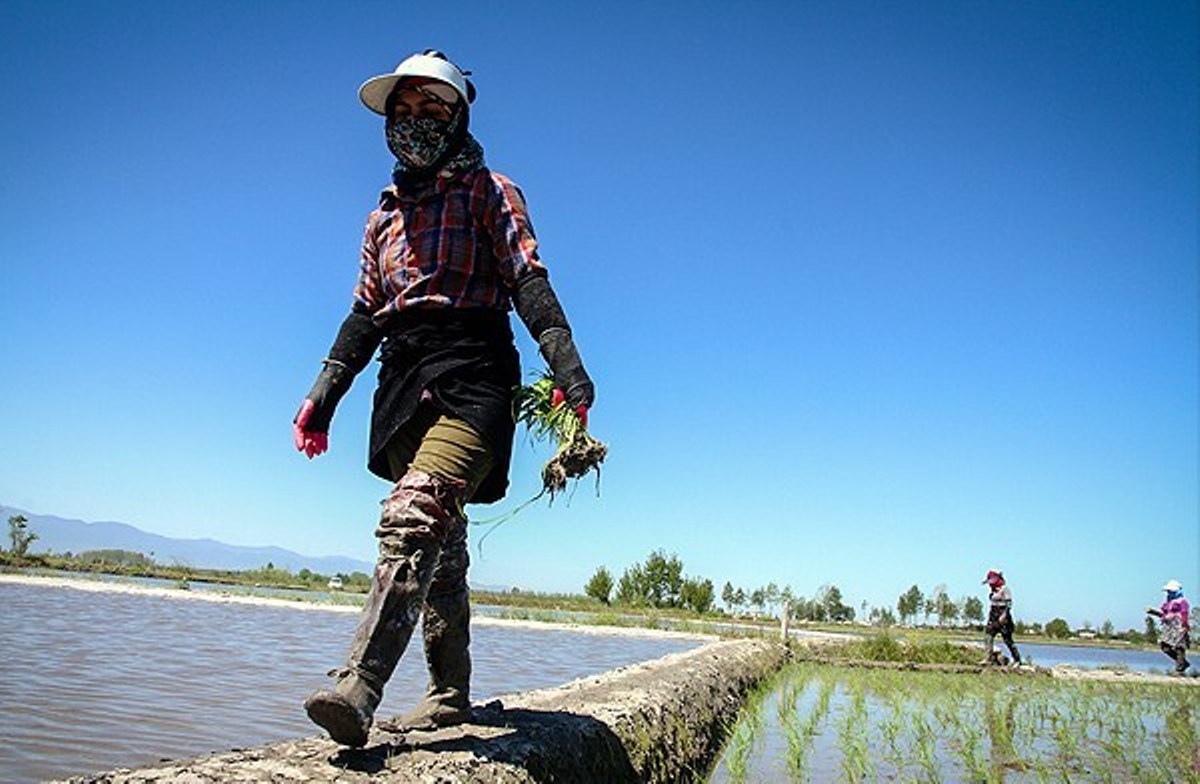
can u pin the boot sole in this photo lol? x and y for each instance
(339, 719)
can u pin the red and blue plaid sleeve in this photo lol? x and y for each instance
(513, 241)
(368, 291)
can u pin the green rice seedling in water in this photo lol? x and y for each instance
(789, 719)
(801, 733)
(891, 731)
(740, 747)
(747, 730)
(824, 698)
(1183, 726)
(968, 747)
(797, 744)
(927, 750)
(1068, 748)
(790, 695)
(1113, 749)
(852, 737)
(797, 747)
(901, 725)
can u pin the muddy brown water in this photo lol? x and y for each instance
(92, 681)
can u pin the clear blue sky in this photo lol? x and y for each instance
(873, 293)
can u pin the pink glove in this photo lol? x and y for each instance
(309, 442)
(557, 398)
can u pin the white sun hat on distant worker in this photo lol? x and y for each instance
(1172, 586)
(430, 64)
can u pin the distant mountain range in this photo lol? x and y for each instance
(59, 535)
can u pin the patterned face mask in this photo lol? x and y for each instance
(418, 142)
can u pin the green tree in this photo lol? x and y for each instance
(786, 597)
(697, 594)
(973, 610)
(943, 606)
(830, 598)
(909, 604)
(1058, 629)
(811, 609)
(758, 600)
(1107, 629)
(664, 575)
(728, 596)
(771, 597)
(1151, 632)
(631, 587)
(116, 558)
(882, 616)
(656, 583)
(20, 535)
(600, 586)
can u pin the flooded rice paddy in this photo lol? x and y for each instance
(91, 681)
(823, 723)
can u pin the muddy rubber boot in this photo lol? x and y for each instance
(447, 652)
(414, 524)
(387, 624)
(346, 711)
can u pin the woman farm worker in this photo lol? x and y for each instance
(1173, 635)
(447, 253)
(1000, 620)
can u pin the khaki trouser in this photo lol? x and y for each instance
(444, 446)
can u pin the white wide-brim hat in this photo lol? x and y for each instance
(1172, 585)
(375, 91)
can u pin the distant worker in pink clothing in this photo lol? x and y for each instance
(1173, 627)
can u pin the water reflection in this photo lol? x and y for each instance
(91, 681)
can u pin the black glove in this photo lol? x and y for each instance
(543, 316)
(558, 347)
(331, 385)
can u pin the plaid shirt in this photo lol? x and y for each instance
(461, 243)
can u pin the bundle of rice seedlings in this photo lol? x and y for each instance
(577, 451)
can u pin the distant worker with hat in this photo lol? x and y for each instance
(446, 255)
(1173, 635)
(1000, 620)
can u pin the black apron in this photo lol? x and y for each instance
(467, 360)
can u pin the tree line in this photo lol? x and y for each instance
(659, 582)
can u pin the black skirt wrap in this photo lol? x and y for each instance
(467, 360)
